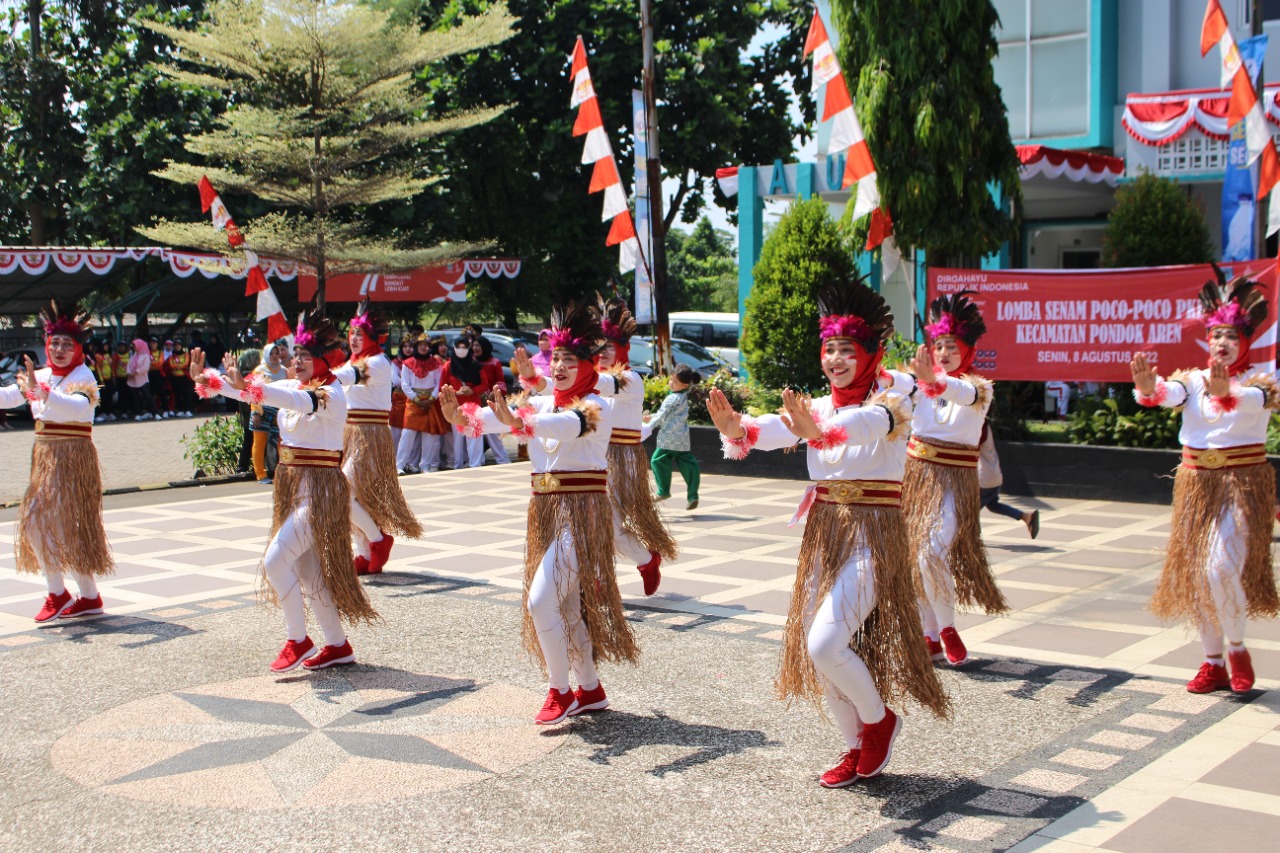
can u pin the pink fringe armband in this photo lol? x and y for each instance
(211, 386)
(474, 427)
(832, 435)
(1224, 404)
(253, 391)
(528, 417)
(529, 383)
(1157, 397)
(933, 389)
(738, 448)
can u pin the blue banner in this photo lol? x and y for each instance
(1238, 204)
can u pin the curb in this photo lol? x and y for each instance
(155, 487)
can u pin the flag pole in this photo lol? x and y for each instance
(657, 268)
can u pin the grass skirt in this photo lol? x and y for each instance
(326, 492)
(632, 496)
(889, 640)
(374, 480)
(587, 519)
(1199, 499)
(61, 512)
(923, 486)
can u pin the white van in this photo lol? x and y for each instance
(717, 332)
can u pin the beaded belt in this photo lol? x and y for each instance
(1214, 458)
(943, 453)
(624, 436)
(563, 482)
(307, 457)
(368, 416)
(52, 429)
(860, 492)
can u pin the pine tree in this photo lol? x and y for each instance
(926, 95)
(327, 118)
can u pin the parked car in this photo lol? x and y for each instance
(697, 357)
(717, 331)
(12, 363)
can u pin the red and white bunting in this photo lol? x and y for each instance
(846, 133)
(269, 307)
(604, 173)
(1247, 107)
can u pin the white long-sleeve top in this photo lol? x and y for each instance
(307, 421)
(557, 442)
(867, 452)
(395, 373)
(72, 398)
(955, 415)
(628, 402)
(375, 392)
(412, 385)
(1206, 422)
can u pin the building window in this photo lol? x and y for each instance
(1193, 154)
(1044, 68)
(1270, 11)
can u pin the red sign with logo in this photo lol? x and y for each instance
(427, 284)
(1085, 326)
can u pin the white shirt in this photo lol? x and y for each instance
(375, 392)
(557, 444)
(628, 403)
(412, 386)
(956, 415)
(304, 422)
(71, 399)
(1204, 425)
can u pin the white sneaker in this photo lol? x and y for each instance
(111, 418)
(100, 419)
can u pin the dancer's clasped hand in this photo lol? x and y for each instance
(922, 366)
(798, 416)
(1144, 375)
(723, 416)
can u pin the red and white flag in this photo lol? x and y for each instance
(846, 133)
(604, 173)
(1215, 32)
(269, 308)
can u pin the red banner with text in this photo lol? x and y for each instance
(1085, 325)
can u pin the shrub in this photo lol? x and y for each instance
(780, 329)
(1155, 222)
(214, 449)
(1103, 421)
(738, 393)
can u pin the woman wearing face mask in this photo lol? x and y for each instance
(1217, 571)
(573, 611)
(852, 634)
(59, 527)
(309, 553)
(424, 427)
(463, 373)
(940, 493)
(491, 375)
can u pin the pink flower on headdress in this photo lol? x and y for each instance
(843, 326)
(1230, 314)
(63, 326)
(365, 324)
(947, 325)
(611, 330)
(564, 339)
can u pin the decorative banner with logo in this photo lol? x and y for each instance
(1238, 203)
(1085, 325)
(446, 283)
(644, 312)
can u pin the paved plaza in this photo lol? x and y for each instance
(157, 727)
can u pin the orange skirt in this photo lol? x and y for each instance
(429, 419)
(398, 400)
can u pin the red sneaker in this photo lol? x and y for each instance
(589, 700)
(362, 565)
(843, 774)
(877, 744)
(651, 574)
(1211, 677)
(293, 654)
(331, 656)
(1241, 671)
(54, 605)
(379, 553)
(935, 649)
(957, 654)
(556, 708)
(86, 607)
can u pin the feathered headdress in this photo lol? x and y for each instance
(317, 334)
(1240, 305)
(370, 320)
(956, 316)
(616, 321)
(61, 318)
(576, 328)
(853, 310)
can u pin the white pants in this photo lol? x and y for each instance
(293, 569)
(395, 436)
(499, 451)
(418, 449)
(1228, 550)
(54, 577)
(625, 544)
(938, 609)
(468, 452)
(829, 626)
(555, 603)
(363, 528)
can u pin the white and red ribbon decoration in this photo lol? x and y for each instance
(846, 133)
(598, 151)
(269, 308)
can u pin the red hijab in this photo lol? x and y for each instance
(966, 359)
(77, 359)
(582, 386)
(864, 379)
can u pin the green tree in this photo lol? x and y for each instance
(926, 96)
(701, 269)
(326, 122)
(1155, 222)
(780, 330)
(525, 187)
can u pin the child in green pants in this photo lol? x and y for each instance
(672, 423)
